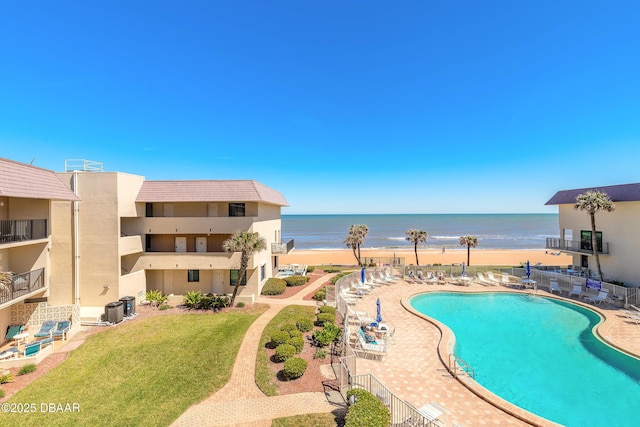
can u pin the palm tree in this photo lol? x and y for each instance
(416, 237)
(355, 239)
(248, 244)
(592, 202)
(469, 242)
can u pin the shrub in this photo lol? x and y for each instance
(164, 307)
(327, 309)
(320, 295)
(279, 337)
(320, 353)
(366, 411)
(156, 298)
(240, 305)
(295, 333)
(325, 336)
(6, 378)
(214, 302)
(331, 269)
(27, 369)
(284, 352)
(297, 343)
(304, 325)
(310, 269)
(294, 368)
(296, 280)
(337, 277)
(324, 318)
(289, 327)
(274, 286)
(192, 299)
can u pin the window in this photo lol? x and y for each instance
(233, 275)
(263, 272)
(236, 209)
(149, 210)
(193, 275)
(585, 240)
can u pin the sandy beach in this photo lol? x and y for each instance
(450, 256)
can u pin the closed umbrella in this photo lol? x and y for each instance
(362, 274)
(528, 269)
(378, 315)
(464, 273)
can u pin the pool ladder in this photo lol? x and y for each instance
(457, 365)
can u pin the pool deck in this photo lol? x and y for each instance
(414, 371)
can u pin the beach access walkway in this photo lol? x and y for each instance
(240, 402)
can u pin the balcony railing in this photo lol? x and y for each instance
(575, 246)
(14, 286)
(20, 230)
(282, 248)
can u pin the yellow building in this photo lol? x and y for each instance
(86, 237)
(617, 233)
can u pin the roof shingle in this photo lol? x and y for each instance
(31, 182)
(209, 191)
(617, 193)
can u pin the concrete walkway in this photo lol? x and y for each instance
(240, 402)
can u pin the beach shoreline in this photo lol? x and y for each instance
(502, 257)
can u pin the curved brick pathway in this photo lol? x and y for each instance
(240, 402)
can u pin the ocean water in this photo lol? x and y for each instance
(494, 231)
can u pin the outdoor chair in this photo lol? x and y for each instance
(577, 290)
(597, 299)
(12, 331)
(483, 280)
(61, 329)
(553, 287)
(375, 348)
(31, 349)
(46, 330)
(9, 353)
(435, 413)
(492, 278)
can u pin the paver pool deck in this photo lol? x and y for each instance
(413, 370)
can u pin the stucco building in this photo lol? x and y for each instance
(617, 232)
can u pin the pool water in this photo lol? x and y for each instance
(540, 354)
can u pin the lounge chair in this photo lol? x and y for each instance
(12, 331)
(61, 329)
(553, 287)
(492, 278)
(435, 413)
(506, 280)
(483, 280)
(31, 349)
(597, 299)
(9, 353)
(375, 348)
(46, 330)
(577, 290)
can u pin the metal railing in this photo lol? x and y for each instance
(20, 230)
(457, 365)
(82, 165)
(574, 246)
(282, 248)
(17, 285)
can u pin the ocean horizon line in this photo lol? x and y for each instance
(419, 214)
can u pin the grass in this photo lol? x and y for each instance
(265, 378)
(307, 420)
(144, 373)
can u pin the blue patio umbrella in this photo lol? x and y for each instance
(528, 269)
(379, 315)
(464, 273)
(362, 274)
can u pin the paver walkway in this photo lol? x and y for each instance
(240, 402)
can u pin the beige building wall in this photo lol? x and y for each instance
(620, 228)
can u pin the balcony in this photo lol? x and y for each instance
(195, 225)
(575, 246)
(192, 261)
(21, 230)
(282, 248)
(14, 286)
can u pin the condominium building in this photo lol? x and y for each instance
(616, 232)
(86, 237)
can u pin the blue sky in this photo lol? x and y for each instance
(344, 107)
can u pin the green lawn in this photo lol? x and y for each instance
(308, 420)
(142, 373)
(265, 379)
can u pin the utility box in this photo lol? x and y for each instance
(114, 312)
(128, 306)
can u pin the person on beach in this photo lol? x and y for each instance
(443, 248)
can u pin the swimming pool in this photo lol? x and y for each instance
(540, 354)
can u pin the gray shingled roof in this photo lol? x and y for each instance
(30, 182)
(617, 193)
(209, 191)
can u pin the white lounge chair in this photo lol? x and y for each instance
(492, 278)
(374, 349)
(597, 299)
(577, 290)
(553, 287)
(483, 280)
(434, 413)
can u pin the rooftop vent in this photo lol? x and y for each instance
(71, 165)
